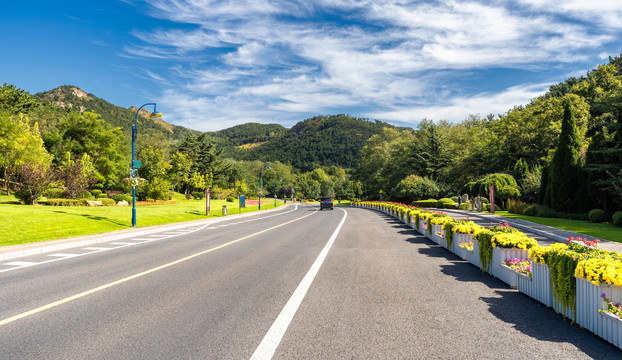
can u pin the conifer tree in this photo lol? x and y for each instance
(565, 177)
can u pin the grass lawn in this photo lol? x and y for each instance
(25, 224)
(601, 231)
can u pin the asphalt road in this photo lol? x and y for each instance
(215, 291)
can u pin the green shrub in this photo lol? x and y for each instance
(107, 202)
(96, 193)
(464, 206)
(454, 199)
(531, 210)
(198, 195)
(122, 197)
(67, 202)
(230, 198)
(451, 205)
(484, 200)
(425, 203)
(616, 219)
(516, 206)
(441, 203)
(53, 193)
(597, 216)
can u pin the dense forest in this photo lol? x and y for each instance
(562, 151)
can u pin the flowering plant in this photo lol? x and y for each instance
(540, 254)
(600, 270)
(503, 227)
(465, 227)
(466, 245)
(522, 266)
(515, 240)
(613, 309)
(584, 242)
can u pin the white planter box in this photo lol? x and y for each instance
(504, 273)
(438, 238)
(473, 256)
(612, 328)
(589, 302)
(538, 286)
(457, 238)
(412, 223)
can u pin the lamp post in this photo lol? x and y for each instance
(260, 170)
(135, 163)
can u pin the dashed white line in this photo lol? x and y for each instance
(64, 255)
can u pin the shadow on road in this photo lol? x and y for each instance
(534, 319)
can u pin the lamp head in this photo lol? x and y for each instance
(155, 114)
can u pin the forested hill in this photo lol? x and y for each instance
(71, 97)
(246, 136)
(319, 141)
(322, 140)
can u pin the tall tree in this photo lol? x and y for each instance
(19, 144)
(564, 172)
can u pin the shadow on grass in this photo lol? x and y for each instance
(540, 322)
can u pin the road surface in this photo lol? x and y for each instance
(295, 283)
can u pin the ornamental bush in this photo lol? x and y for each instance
(617, 218)
(597, 216)
(122, 197)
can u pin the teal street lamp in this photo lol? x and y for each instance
(135, 163)
(260, 170)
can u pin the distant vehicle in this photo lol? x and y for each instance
(326, 203)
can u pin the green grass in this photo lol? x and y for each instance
(25, 224)
(603, 231)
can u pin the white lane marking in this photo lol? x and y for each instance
(20, 263)
(63, 255)
(98, 248)
(122, 243)
(273, 337)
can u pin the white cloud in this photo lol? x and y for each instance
(458, 108)
(288, 58)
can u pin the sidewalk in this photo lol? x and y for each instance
(547, 232)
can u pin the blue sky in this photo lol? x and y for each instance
(214, 64)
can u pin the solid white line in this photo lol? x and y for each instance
(64, 255)
(273, 337)
(20, 263)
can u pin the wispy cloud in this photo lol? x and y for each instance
(263, 59)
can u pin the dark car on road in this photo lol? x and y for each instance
(326, 203)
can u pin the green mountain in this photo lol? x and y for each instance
(156, 130)
(319, 141)
(322, 140)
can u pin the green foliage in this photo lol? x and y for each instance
(521, 169)
(565, 170)
(484, 238)
(230, 198)
(321, 140)
(198, 195)
(68, 202)
(33, 180)
(16, 101)
(122, 197)
(425, 203)
(597, 215)
(96, 193)
(616, 219)
(414, 187)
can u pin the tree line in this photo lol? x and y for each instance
(561, 150)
